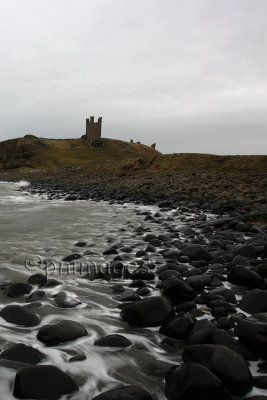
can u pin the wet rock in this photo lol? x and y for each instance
(253, 331)
(140, 253)
(78, 357)
(172, 254)
(198, 283)
(219, 336)
(226, 293)
(113, 341)
(143, 273)
(37, 279)
(80, 244)
(169, 273)
(138, 283)
(61, 332)
(153, 311)
(192, 381)
(226, 364)
(37, 295)
(51, 283)
(177, 291)
(43, 382)
(200, 332)
(243, 276)
(149, 236)
(260, 381)
(240, 260)
(124, 393)
(62, 301)
(181, 269)
(144, 291)
(128, 295)
(72, 257)
(19, 315)
(187, 306)
(22, 353)
(254, 302)
(178, 328)
(196, 252)
(17, 289)
(117, 289)
(247, 251)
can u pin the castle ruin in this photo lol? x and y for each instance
(93, 132)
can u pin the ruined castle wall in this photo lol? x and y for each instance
(93, 129)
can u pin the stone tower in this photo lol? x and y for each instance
(93, 129)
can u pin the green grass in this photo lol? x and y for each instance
(116, 155)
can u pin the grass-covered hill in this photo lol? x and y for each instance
(32, 153)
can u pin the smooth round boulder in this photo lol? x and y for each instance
(169, 273)
(61, 332)
(178, 328)
(124, 393)
(229, 366)
(143, 273)
(19, 315)
(177, 291)
(240, 275)
(43, 382)
(254, 302)
(62, 301)
(200, 332)
(17, 289)
(192, 381)
(113, 341)
(196, 252)
(37, 279)
(246, 251)
(253, 331)
(22, 353)
(153, 311)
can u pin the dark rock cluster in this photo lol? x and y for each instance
(202, 285)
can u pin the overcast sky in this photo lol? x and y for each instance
(189, 75)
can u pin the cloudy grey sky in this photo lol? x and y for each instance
(189, 75)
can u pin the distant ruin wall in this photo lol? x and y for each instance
(93, 129)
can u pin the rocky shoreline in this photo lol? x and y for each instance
(240, 193)
(212, 305)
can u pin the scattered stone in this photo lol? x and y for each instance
(153, 311)
(22, 353)
(177, 291)
(61, 332)
(51, 283)
(78, 357)
(192, 381)
(254, 302)
(37, 279)
(113, 341)
(200, 332)
(178, 328)
(43, 382)
(17, 289)
(19, 315)
(196, 252)
(62, 301)
(240, 275)
(72, 257)
(226, 364)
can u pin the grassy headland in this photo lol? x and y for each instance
(131, 170)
